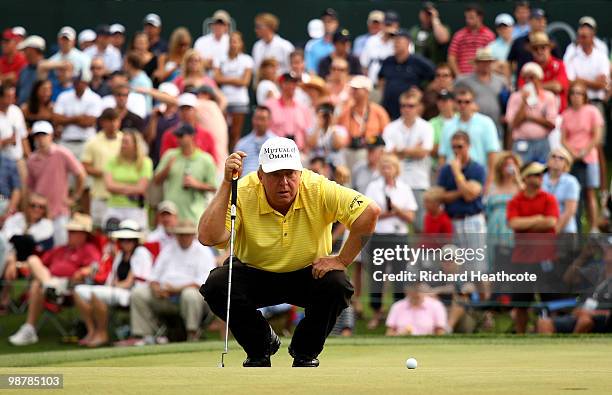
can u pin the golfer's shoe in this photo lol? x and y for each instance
(264, 361)
(303, 361)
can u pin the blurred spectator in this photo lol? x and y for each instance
(506, 184)
(326, 139)
(163, 117)
(67, 51)
(564, 187)
(435, 221)
(214, 46)
(338, 84)
(33, 48)
(266, 81)
(98, 83)
(375, 22)
(126, 177)
(555, 78)
(366, 170)
(379, 46)
(193, 74)
(179, 271)
(128, 120)
(152, 26)
(11, 60)
(402, 71)
(487, 86)
(531, 115)
(598, 44)
(233, 73)
(581, 133)
(446, 112)
(501, 46)
(270, 44)
(289, 118)
(86, 39)
(13, 133)
(138, 79)
(342, 49)
(466, 41)
(39, 106)
(252, 142)
(57, 270)
(136, 101)
(210, 116)
(169, 64)
(167, 219)
(430, 36)
(187, 175)
(103, 49)
(522, 13)
(62, 78)
(131, 269)
(318, 91)
(410, 138)
(318, 48)
(417, 314)
(98, 151)
(117, 36)
(140, 47)
(443, 81)
(10, 188)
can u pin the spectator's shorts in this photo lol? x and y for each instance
(532, 150)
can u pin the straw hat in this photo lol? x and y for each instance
(80, 223)
(185, 227)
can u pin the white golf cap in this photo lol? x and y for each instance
(221, 16)
(361, 82)
(169, 88)
(42, 127)
(187, 99)
(533, 69)
(279, 153)
(67, 32)
(36, 42)
(117, 28)
(87, 35)
(316, 29)
(152, 19)
(20, 31)
(376, 16)
(585, 20)
(504, 19)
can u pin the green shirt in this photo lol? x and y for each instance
(426, 45)
(201, 166)
(127, 173)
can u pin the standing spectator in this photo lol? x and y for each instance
(152, 26)
(252, 142)
(501, 46)
(163, 117)
(86, 39)
(210, 116)
(555, 78)
(483, 142)
(375, 22)
(136, 102)
(62, 80)
(318, 48)
(169, 64)
(140, 47)
(337, 85)
(166, 220)
(466, 41)
(77, 111)
(487, 87)
(342, 49)
(522, 12)
(98, 151)
(214, 46)
(266, 81)
(270, 44)
(39, 106)
(117, 36)
(367, 170)
(531, 115)
(446, 112)
(444, 80)
(417, 314)
(564, 187)
(33, 48)
(137, 77)
(128, 120)
(430, 36)
(98, 83)
(11, 60)
(193, 76)
(49, 168)
(410, 138)
(379, 46)
(126, 177)
(581, 131)
(13, 133)
(327, 140)
(402, 71)
(598, 44)
(289, 118)
(103, 49)
(233, 73)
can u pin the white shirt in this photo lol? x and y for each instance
(400, 195)
(263, 90)
(12, 122)
(141, 264)
(70, 105)
(79, 60)
(599, 45)
(398, 136)
(178, 267)
(210, 48)
(136, 103)
(374, 52)
(278, 48)
(16, 225)
(110, 55)
(160, 236)
(235, 68)
(580, 65)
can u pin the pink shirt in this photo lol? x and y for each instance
(48, 176)
(421, 320)
(290, 119)
(578, 129)
(547, 107)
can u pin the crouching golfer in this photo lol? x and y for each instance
(282, 245)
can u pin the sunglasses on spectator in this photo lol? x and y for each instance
(36, 205)
(408, 105)
(464, 101)
(457, 146)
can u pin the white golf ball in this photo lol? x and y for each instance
(411, 363)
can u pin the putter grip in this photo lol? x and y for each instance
(234, 191)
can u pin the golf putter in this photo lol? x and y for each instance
(234, 198)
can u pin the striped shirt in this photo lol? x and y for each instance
(464, 44)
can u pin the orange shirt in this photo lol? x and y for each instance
(377, 119)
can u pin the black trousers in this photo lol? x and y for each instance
(323, 300)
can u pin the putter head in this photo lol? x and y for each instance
(222, 363)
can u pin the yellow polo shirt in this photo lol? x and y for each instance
(270, 241)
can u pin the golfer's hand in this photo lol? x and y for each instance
(325, 264)
(233, 165)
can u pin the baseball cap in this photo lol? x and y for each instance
(42, 127)
(117, 28)
(128, 229)
(187, 99)
(538, 13)
(533, 168)
(376, 16)
(534, 69)
(184, 129)
(167, 206)
(316, 29)
(427, 5)
(69, 33)
(221, 16)
(86, 36)
(185, 227)
(169, 88)
(361, 82)
(445, 95)
(9, 34)
(391, 17)
(341, 35)
(401, 33)
(587, 20)
(329, 12)
(103, 30)
(504, 19)
(20, 31)
(289, 76)
(152, 19)
(36, 42)
(279, 153)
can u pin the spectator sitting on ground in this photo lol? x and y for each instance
(418, 314)
(54, 273)
(131, 269)
(166, 220)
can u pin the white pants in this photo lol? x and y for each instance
(98, 212)
(60, 234)
(112, 296)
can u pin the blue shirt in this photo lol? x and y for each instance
(566, 188)
(142, 80)
(9, 177)
(27, 78)
(483, 137)
(359, 44)
(460, 208)
(500, 48)
(520, 30)
(314, 51)
(251, 145)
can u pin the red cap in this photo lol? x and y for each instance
(8, 34)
